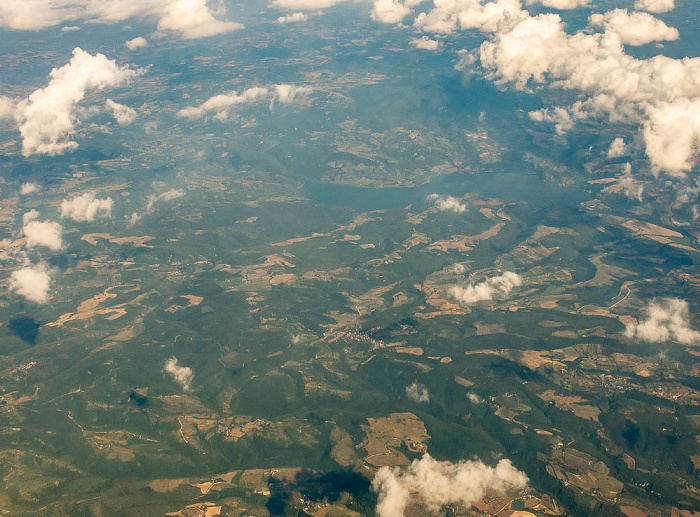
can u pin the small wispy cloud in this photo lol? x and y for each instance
(418, 393)
(221, 104)
(447, 203)
(292, 18)
(487, 290)
(165, 197)
(124, 115)
(183, 375)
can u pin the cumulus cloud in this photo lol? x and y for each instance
(672, 133)
(87, 207)
(36, 14)
(33, 283)
(655, 6)
(561, 4)
(617, 148)
(418, 393)
(136, 43)
(658, 94)
(28, 188)
(220, 104)
(191, 18)
(665, 319)
(167, 196)
(634, 28)
(448, 16)
(41, 233)
(292, 18)
(437, 483)
(183, 375)
(305, 4)
(47, 118)
(124, 115)
(447, 203)
(390, 11)
(425, 43)
(485, 291)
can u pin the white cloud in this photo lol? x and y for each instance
(132, 219)
(292, 18)
(169, 195)
(655, 6)
(286, 93)
(437, 483)
(666, 319)
(658, 94)
(634, 28)
(191, 18)
(304, 4)
(389, 11)
(28, 188)
(485, 291)
(561, 4)
(183, 375)
(219, 104)
(465, 63)
(425, 43)
(672, 133)
(617, 148)
(136, 43)
(87, 208)
(124, 115)
(36, 14)
(41, 233)
(8, 108)
(418, 393)
(563, 118)
(48, 116)
(450, 15)
(630, 187)
(474, 398)
(32, 282)
(447, 203)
